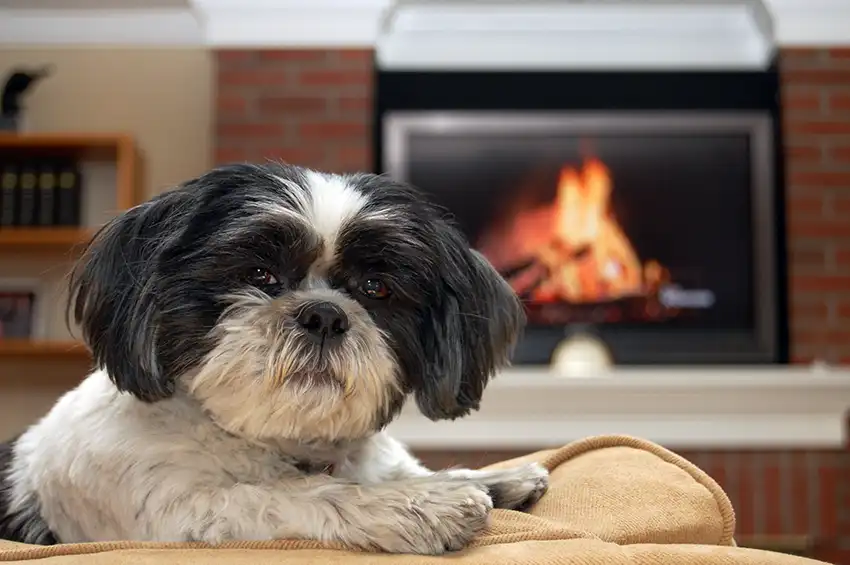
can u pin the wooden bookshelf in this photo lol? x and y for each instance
(118, 148)
(43, 239)
(117, 151)
(18, 348)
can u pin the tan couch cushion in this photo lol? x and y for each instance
(612, 500)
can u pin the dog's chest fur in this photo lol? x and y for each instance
(99, 459)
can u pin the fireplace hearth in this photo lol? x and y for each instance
(647, 215)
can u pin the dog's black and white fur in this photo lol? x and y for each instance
(255, 330)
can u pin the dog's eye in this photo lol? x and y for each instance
(375, 289)
(261, 277)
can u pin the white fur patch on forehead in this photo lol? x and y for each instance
(334, 202)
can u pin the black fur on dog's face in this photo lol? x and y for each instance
(293, 303)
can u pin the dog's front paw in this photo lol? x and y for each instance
(518, 488)
(435, 518)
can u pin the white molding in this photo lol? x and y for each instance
(140, 27)
(291, 23)
(314, 23)
(542, 34)
(690, 408)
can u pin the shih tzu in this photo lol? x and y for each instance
(254, 331)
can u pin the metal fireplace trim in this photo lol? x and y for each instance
(762, 345)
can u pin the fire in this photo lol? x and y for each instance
(573, 249)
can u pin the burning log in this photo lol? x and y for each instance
(574, 250)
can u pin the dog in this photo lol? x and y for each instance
(254, 331)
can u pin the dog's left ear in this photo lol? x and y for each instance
(471, 331)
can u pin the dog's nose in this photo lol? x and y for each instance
(323, 320)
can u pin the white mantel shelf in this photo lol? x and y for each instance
(345, 23)
(684, 408)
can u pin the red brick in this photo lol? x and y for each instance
(355, 104)
(825, 77)
(291, 55)
(820, 178)
(250, 130)
(799, 495)
(798, 55)
(228, 155)
(364, 57)
(801, 359)
(840, 153)
(842, 257)
(841, 54)
(831, 554)
(822, 336)
(818, 128)
(820, 283)
(252, 77)
(354, 158)
(773, 498)
(745, 507)
(803, 153)
(716, 469)
(807, 258)
(805, 205)
(809, 311)
(807, 100)
(334, 130)
(231, 105)
(235, 55)
(819, 228)
(839, 102)
(828, 494)
(843, 310)
(305, 156)
(839, 205)
(292, 105)
(334, 78)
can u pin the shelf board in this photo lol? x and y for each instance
(78, 144)
(33, 349)
(29, 239)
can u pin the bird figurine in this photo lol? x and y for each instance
(18, 82)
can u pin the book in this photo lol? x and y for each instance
(68, 198)
(47, 205)
(27, 186)
(8, 194)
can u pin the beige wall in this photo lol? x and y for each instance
(163, 98)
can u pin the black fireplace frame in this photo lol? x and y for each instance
(749, 93)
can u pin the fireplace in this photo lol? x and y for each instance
(655, 229)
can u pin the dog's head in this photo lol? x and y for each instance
(294, 304)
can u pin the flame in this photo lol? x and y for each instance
(573, 249)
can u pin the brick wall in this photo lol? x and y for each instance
(816, 90)
(313, 107)
(307, 107)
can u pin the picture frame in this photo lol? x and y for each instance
(34, 288)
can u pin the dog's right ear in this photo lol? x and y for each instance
(113, 298)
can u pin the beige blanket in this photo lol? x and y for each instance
(612, 500)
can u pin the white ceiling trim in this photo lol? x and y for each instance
(313, 23)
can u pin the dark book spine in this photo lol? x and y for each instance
(47, 207)
(27, 184)
(8, 195)
(68, 200)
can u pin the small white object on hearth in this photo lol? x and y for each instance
(581, 356)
